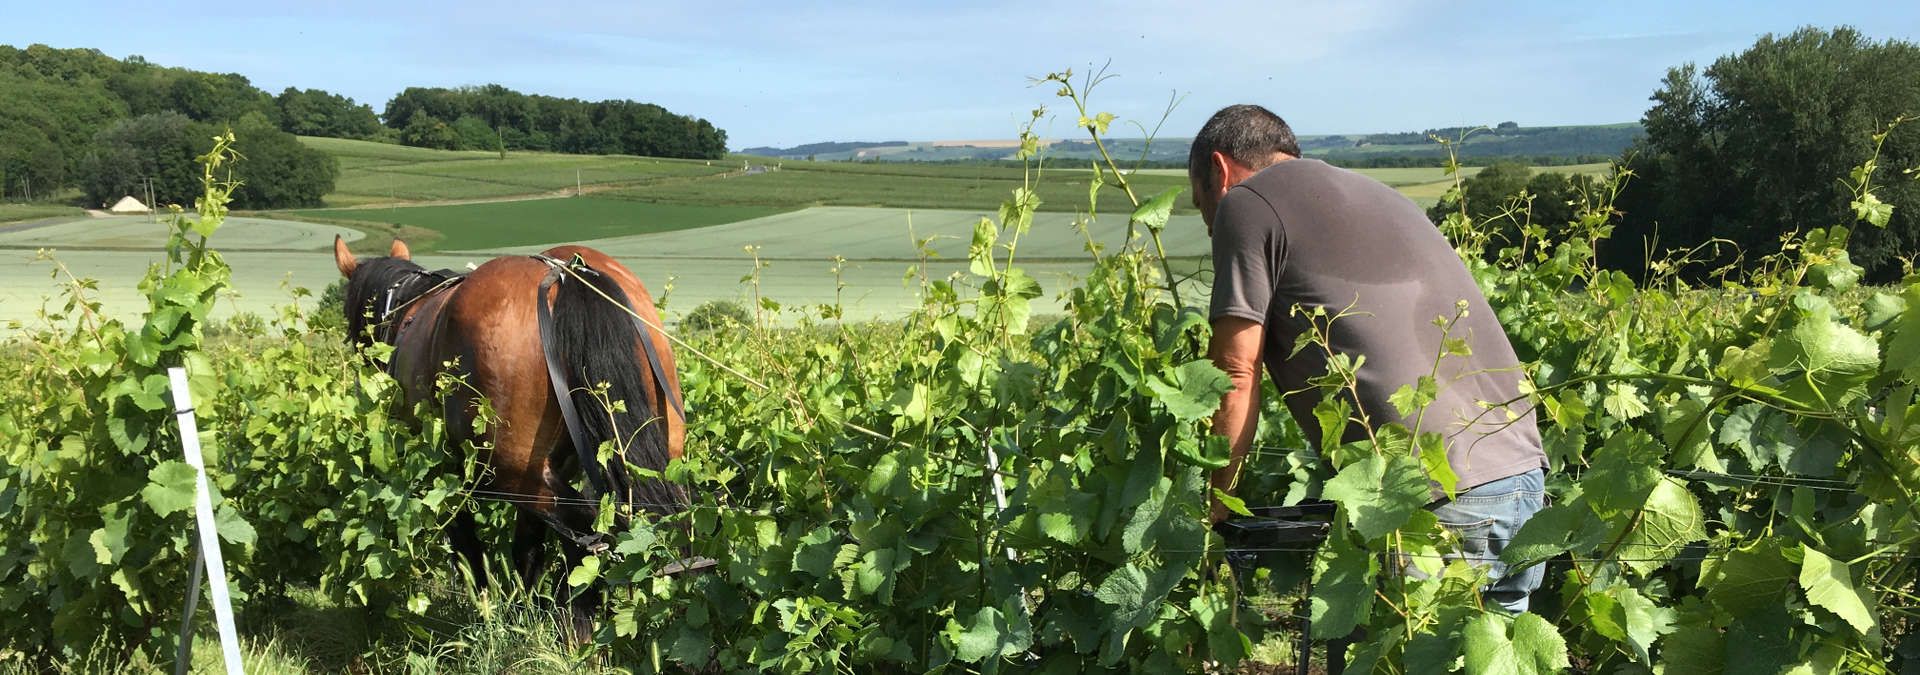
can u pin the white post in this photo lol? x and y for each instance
(999, 489)
(203, 510)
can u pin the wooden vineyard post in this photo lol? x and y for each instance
(207, 551)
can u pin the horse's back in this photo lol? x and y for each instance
(490, 328)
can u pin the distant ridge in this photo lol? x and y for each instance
(828, 147)
(1574, 144)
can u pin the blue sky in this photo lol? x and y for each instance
(790, 73)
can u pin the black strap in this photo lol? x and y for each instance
(589, 461)
(659, 371)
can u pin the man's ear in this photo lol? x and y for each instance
(399, 250)
(342, 258)
(1223, 169)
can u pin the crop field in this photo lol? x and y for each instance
(489, 225)
(381, 173)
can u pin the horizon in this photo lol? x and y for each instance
(783, 77)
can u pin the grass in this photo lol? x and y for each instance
(542, 221)
(13, 213)
(466, 632)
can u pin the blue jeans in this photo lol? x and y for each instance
(1486, 518)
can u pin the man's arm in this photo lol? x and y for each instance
(1236, 348)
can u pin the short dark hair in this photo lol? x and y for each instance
(1248, 133)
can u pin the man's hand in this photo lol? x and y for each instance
(1236, 348)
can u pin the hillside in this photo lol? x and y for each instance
(1537, 145)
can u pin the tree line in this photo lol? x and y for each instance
(76, 118)
(114, 128)
(1743, 152)
(493, 117)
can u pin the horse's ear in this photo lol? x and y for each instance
(399, 250)
(343, 258)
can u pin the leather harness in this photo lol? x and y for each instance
(558, 272)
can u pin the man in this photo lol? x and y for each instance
(1290, 232)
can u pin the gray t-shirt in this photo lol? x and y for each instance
(1302, 232)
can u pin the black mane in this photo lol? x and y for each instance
(367, 291)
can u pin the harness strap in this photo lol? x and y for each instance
(659, 371)
(646, 333)
(589, 464)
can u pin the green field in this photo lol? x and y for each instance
(382, 173)
(936, 186)
(13, 213)
(541, 221)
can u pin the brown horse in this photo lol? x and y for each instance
(542, 340)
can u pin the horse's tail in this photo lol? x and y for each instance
(595, 344)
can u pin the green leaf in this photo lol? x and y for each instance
(1670, 520)
(880, 480)
(1067, 515)
(1149, 521)
(1695, 649)
(1829, 586)
(80, 557)
(910, 403)
(1192, 391)
(232, 527)
(1126, 591)
(170, 487)
(1343, 576)
(1410, 399)
(1433, 460)
(1332, 414)
(1234, 504)
(586, 573)
(1761, 641)
(989, 634)
(1209, 451)
(110, 541)
(1532, 647)
(1379, 493)
(1154, 213)
(815, 552)
(980, 251)
(1623, 401)
(1869, 208)
(876, 573)
(1631, 618)
(1760, 433)
(1903, 350)
(1624, 470)
(1560, 528)
(1687, 428)
(1818, 344)
(1750, 580)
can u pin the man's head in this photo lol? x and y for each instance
(1235, 143)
